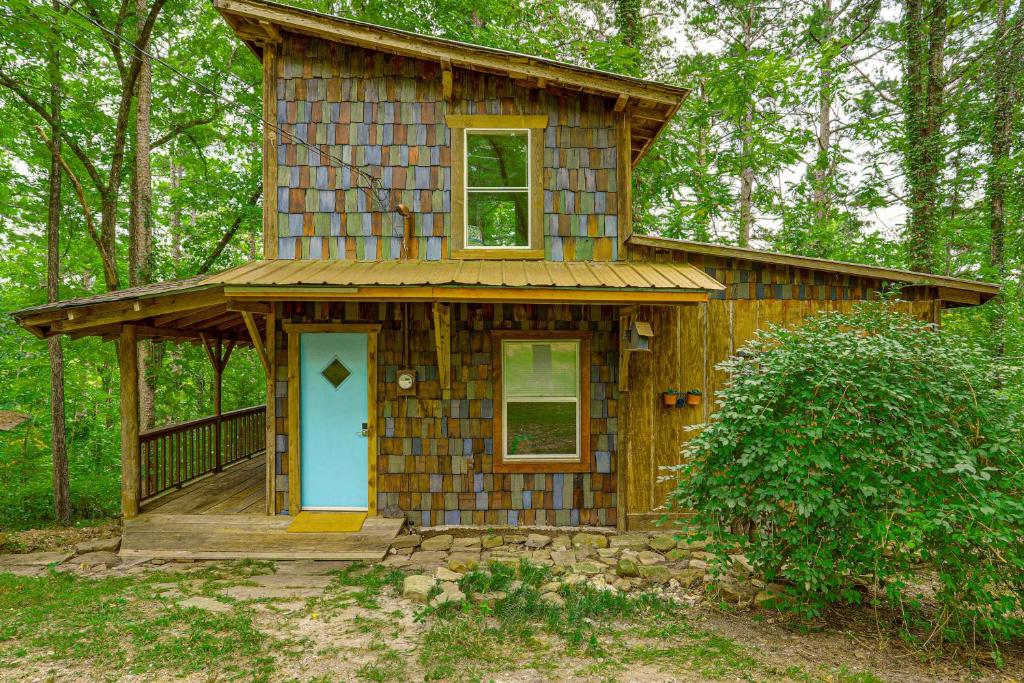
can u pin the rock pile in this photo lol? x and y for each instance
(629, 562)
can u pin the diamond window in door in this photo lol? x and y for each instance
(336, 372)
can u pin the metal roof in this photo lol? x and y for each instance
(206, 305)
(472, 273)
(986, 290)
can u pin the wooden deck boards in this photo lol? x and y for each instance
(221, 518)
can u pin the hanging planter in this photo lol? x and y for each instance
(670, 397)
(693, 397)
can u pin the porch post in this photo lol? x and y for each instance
(218, 376)
(128, 362)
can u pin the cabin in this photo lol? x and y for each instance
(457, 322)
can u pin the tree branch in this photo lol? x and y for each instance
(34, 104)
(90, 224)
(227, 236)
(182, 127)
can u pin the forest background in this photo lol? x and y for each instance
(886, 132)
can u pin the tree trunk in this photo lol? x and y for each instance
(747, 149)
(140, 270)
(628, 21)
(176, 173)
(58, 436)
(1005, 74)
(924, 35)
(820, 198)
(1006, 69)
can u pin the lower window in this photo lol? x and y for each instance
(542, 384)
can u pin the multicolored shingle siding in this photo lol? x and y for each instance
(376, 123)
(435, 456)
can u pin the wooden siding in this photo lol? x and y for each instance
(435, 455)
(384, 114)
(689, 342)
(748, 279)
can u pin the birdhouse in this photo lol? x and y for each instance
(640, 334)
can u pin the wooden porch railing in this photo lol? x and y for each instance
(172, 456)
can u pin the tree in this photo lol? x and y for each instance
(924, 87)
(58, 437)
(751, 85)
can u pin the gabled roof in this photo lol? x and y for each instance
(214, 304)
(650, 105)
(960, 290)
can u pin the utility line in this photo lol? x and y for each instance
(373, 182)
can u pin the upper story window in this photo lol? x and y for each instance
(497, 186)
(497, 189)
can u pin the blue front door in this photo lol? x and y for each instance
(334, 410)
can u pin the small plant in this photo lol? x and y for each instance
(693, 397)
(670, 397)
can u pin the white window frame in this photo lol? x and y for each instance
(541, 457)
(466, 189)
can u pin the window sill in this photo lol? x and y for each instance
(532, 466)
(502, 254)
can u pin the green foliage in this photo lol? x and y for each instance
(849, 450)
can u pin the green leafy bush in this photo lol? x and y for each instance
(847, 452)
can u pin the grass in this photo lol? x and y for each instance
(123, 624)
(134, 625)
(613, 630)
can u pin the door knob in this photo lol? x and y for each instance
(365, 431)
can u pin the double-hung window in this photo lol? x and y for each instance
(542, 395)
(497, 186)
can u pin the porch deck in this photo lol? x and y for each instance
(222, 517)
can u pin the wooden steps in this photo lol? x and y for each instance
(261, 537)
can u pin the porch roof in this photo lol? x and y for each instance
(222, 304)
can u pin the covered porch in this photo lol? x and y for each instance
(228, 485)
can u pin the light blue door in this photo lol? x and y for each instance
(334, 409)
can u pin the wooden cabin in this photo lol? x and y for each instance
(457, 323)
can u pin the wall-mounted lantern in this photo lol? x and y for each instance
(640, 334)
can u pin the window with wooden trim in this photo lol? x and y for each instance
(497, 186)
(542, 402)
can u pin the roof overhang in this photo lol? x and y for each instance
(649, 105)
(952, 291)
(233, 304)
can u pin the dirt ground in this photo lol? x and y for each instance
(321, 631)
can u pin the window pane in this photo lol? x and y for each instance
(546, 428)
(497, 158)
(497, 219)
(540, 368)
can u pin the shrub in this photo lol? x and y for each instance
(846, 452)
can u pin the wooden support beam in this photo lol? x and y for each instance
(446, 79)
(251, 306)
(626, 317)
(273, 35)
(188, 317)
(270, 344)
(101, 315)
(257, 341)
(269, 151)
(128, 363)
(620, 103)
(624, 184)
(443, 343)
